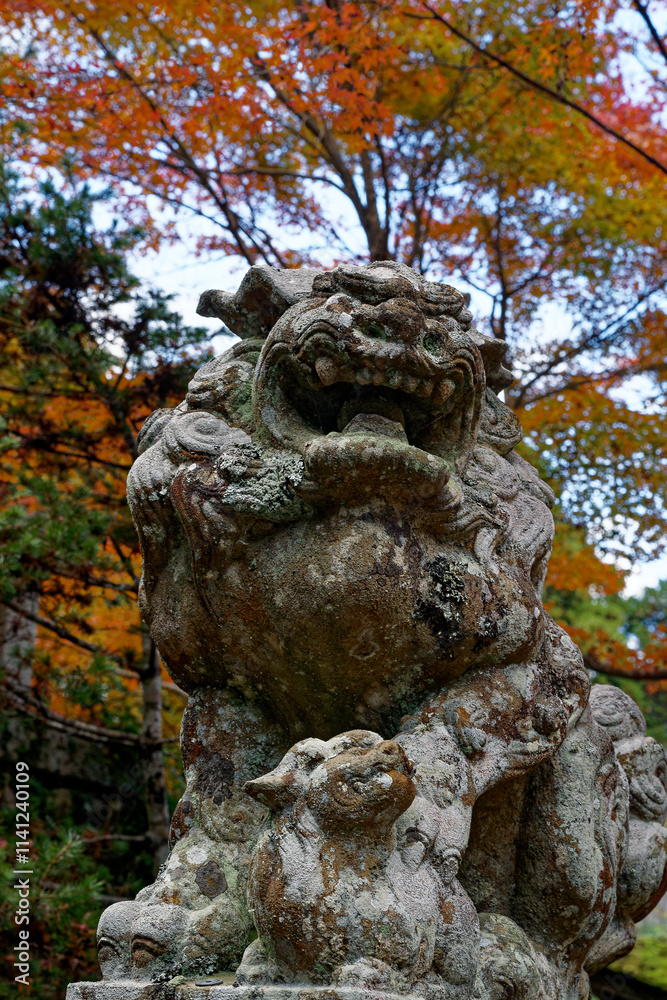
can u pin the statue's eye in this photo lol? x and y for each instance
(107, 951)
(433, 342)
(144, 951)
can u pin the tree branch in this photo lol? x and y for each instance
(582, 345)
(38, 393)
(60, 631)
(172, 140)
(29, 705)
(643, 10)
(326, 142)
(97, 581)
(138, 838)
(600, 667)
(279, 172)
(610, 376)
(95, 734)
(126, 561)
(542, 87)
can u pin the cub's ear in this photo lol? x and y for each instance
(273, 790)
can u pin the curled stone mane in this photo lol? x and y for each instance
(343, 563)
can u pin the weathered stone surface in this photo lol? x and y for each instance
(344, 555)
(177, 989)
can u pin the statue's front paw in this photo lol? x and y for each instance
(141, 942)
(114, 934)
(366, 973)
(643, 877)
(508, 962)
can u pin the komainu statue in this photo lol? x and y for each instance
(398, 780)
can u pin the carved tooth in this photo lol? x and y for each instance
(443, 391)
(327, 371)
(364, 376)
(394, 380)
(377, 376)
(410, 383)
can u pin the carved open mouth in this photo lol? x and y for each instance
(400, 384)
(415, 404)
(348, 407)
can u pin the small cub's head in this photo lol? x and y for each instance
(356, 780)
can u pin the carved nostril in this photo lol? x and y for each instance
(434, 343)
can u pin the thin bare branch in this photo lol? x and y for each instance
(128, 838)
(97, 581)
(60, 631)
(126, 561)
(643, 10)
(279, 172)
(176, 144)
(29, 705)
(20, 698)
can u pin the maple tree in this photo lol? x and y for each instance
(85, 357)
(507, 147)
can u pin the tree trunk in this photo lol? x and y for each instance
(151, 736)
(17, 640)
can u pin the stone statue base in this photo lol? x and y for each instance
(221, 989)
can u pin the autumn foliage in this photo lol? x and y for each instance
(518, 149)
(85, 357)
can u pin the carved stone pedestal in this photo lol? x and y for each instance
(177, 990)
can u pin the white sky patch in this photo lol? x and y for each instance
(644, 575)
